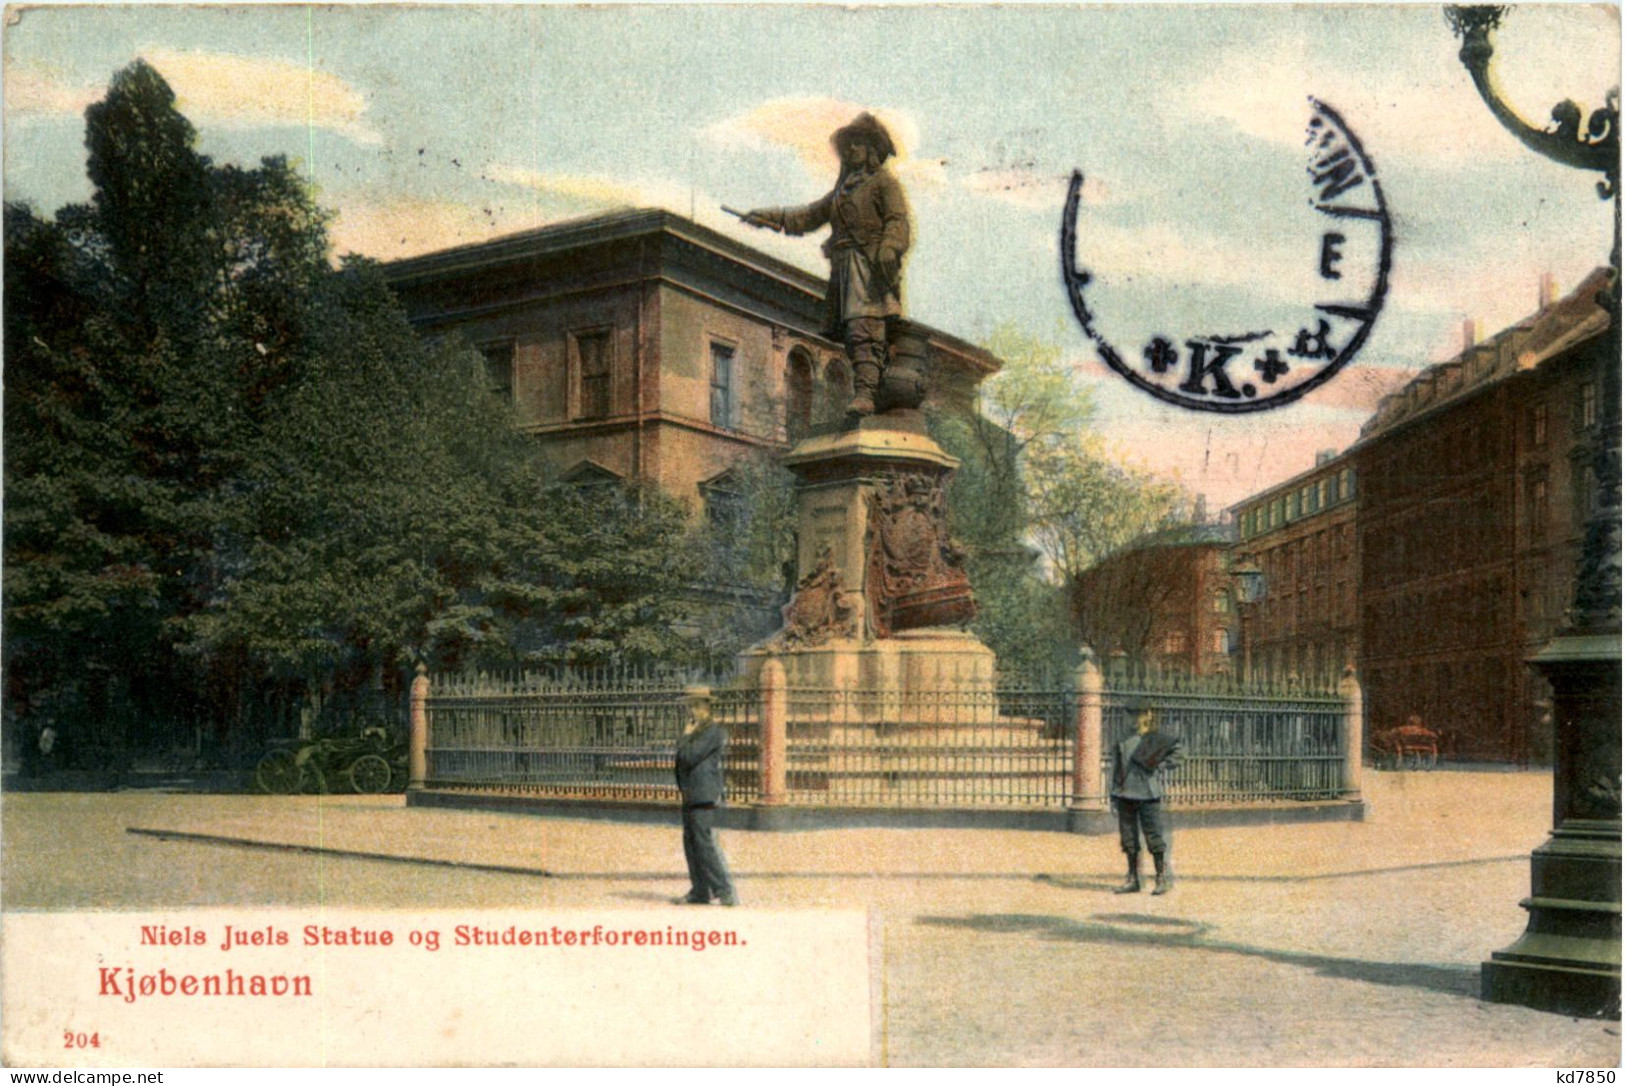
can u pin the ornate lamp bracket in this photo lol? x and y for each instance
(1596, 147)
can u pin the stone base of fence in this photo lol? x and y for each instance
(780, 818)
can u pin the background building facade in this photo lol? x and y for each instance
(1476, 482)
(1166, 600)
(640, 346)
(1301, 536)
(1438, 553)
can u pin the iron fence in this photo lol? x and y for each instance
(613, 734)
(956, 746)
(1238, 747)
(602, 734)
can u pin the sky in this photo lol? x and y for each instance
(421, 128)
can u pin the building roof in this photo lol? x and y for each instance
(1519, 347)
(561, 238)
(1222, 534)
(1329, 466)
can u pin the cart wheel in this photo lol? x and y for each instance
(369, 775)
(278, 773)
(312, 782)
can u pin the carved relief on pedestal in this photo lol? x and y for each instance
(819, 611)
(915, 576)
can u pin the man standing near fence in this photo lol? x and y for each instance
(1138, 763)
(699, 779)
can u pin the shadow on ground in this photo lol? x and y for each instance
(1169, 933)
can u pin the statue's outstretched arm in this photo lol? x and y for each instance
(794, 220)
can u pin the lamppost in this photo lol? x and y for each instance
(1568, 958)
(1249, 579)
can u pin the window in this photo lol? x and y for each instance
(1292, 506)
(497, 369)
(590, 478)
(1585, 407)
(1221, 641)
(594, 360)
(1325, 492)
(724, 506)
(1221, 602)
(1537, 424)
(1585, 494)
(1538, 504)
(798, 395)
(722, 385)
(1345, 484)
(1174, 643)
(1311, 498)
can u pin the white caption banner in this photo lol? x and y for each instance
(301, 987)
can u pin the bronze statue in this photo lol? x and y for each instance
(869, 235)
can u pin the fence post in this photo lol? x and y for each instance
(1352, 738)
(775, 708)
(1090, 689)
(418, 743)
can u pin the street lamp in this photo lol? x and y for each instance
(1568, 958)
(1250, 588)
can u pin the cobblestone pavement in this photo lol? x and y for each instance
(1336, 944)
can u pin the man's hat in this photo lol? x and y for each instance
(865, 127)
(696, 695)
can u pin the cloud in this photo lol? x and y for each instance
(804, 125)
(31, 92)
(1416, 100)
(406, 227)
(595, 191)
(233, 91)
(213, 90)
(1230, 459)
(589, 193)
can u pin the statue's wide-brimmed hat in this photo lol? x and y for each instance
(866, 128)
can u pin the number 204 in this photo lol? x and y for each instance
(71, 1039)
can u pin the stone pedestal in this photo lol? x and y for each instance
(881, 597)
(1568, 958)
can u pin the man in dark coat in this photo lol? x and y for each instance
(869, 234)
(1138, 763)
(699, 779)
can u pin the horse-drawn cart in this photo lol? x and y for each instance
(367, 765)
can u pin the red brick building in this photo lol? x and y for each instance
(1475, 485)
(1165, 600)
(638, 345)
(1301, 535)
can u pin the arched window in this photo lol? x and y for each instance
(798, 395)
(837, 390)
(724, 505)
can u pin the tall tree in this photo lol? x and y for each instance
(233, 469)
(1039, 497)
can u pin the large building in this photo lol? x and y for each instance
(641, 346)
(1166, 601)
(1301, 536)
(1476, 482)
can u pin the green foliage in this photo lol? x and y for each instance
(1039, 497)
(1086, 504)
(744, 547)
(230, 466)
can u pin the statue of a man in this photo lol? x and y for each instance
(869, 235)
